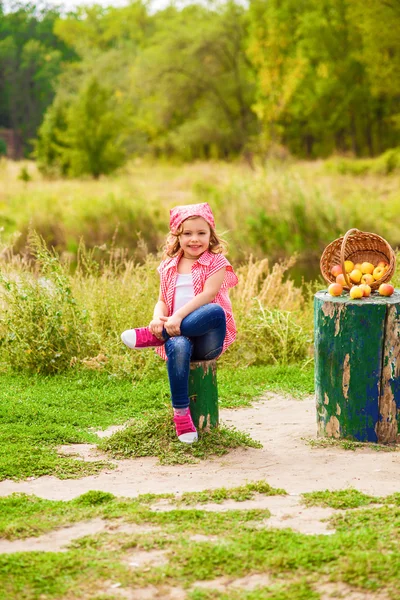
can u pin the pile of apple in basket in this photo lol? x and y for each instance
(358, 263)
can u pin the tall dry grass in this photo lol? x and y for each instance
(54, 318)
(273, 211)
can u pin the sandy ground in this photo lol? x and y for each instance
(281, 424)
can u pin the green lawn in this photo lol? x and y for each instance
(363, 553)
(39, 413)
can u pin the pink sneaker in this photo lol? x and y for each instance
(141, 337)
(185, 429)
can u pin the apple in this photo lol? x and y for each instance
(348, 265)
(386, 289)
(378, 272)
(367, 278)
(358, 266)
(335, 289)
(341, 280)
(336, 270)
(367, 267)
(382, 263)
(366, 290)
(355, 276)
(356, 292)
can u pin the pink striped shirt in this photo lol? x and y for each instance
(202, 269)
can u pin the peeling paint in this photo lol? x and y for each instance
(346, 376)
(387, 426)
(332, 428)
(205, 365)
(328, 308)
(326, 399)
(338, 410)
(203, 394)
(338, 317)
(333, 311)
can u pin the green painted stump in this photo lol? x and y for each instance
(203, 394)
(357, 367)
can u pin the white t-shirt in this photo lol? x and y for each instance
(184, 290)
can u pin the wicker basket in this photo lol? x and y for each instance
(358, 246)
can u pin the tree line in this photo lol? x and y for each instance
(88, 89)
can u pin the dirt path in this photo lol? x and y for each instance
(285, 461)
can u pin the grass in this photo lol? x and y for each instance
(349, 444)
(156, 436)
(239, 494)
(362, 554)
(23, 516)
(296, 591)
(346, 499)
(278, 210)
(340, 499)
(39, 413)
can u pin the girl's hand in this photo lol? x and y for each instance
(172, 324)
(156, 327)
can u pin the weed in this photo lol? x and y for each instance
(155, 436)
(42, 329)
(239, 494)
(340, 499)
(347, 444)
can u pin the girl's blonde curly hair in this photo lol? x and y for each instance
(172, 246)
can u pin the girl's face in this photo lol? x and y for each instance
(195, 237)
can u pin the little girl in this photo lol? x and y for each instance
(192, 319)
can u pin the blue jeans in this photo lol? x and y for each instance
(202, 338)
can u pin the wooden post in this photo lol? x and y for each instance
(203, 394)
(357, 367)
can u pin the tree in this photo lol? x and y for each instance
(315, 92)
(85, 137)
(194, 86)
(30, 61)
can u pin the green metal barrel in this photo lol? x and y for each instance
(357, 366)
(203, 394)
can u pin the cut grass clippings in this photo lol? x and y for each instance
(40, 413)
(363, 552)
(156, 436)
(348, 444)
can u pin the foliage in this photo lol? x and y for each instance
(207, 81)
(387, 163)
(200, 84)
(31, 57)
(274, 212)
(42, 328)
(83, 138)
(317, 74)
(54, 320)
(156, 436)
(265, 305)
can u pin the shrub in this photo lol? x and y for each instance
(53, 319)
(42, 328)
(268, 309)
